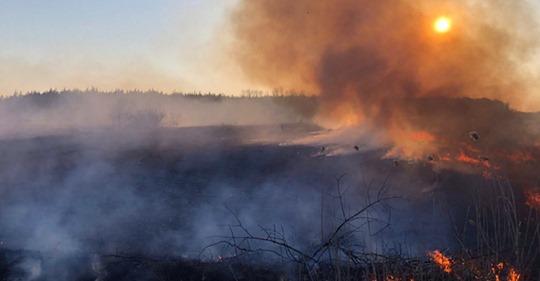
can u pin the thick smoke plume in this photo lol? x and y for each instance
(364, 57)
(448, 98)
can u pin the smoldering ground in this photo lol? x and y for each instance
(146, 189)
(85, 175)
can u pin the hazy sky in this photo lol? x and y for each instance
(161, 44)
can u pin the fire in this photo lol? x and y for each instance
(445, 263)
(513, 275)
(411, 144)
(442, 24)
(464, 158)
(533, 199)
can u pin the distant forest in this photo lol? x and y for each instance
(38, 112)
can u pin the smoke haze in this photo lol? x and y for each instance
(364, 57)
(91, 173)
(87, 174)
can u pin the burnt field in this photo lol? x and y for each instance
(127, 190)
(179, 204)
(345, 140)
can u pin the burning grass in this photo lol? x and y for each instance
(498, 241)
(496, 236)
(444, 262)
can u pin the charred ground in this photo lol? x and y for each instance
(127, 202)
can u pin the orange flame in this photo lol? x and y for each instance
(497, 270)
(445, 263)
(513, 275)
(462, 157)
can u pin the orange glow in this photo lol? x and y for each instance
(497, 269)
(411, 144)
(341, 116)
(464, 158)
(513, 275)
(422, 136)
(441, 260)
(442, 24)
(533, 199)
(520, 157)
(446, 157)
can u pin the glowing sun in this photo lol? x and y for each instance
(442, 25)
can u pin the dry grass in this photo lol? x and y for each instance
(499, 240)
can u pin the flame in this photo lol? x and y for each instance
(513, 275)
(377, 63)
(445, 263)
(464, 158)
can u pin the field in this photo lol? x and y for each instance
(140, 200)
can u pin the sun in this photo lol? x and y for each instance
(442, 24)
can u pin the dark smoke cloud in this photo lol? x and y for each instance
(380, 66)
(364, 57)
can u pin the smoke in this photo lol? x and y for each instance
(365, 57)
(130, 173)
(57, 112)
(92, 174)
(386, 78)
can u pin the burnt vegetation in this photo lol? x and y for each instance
(143, 198)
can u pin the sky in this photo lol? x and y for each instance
(115, 44)
(167, 45)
